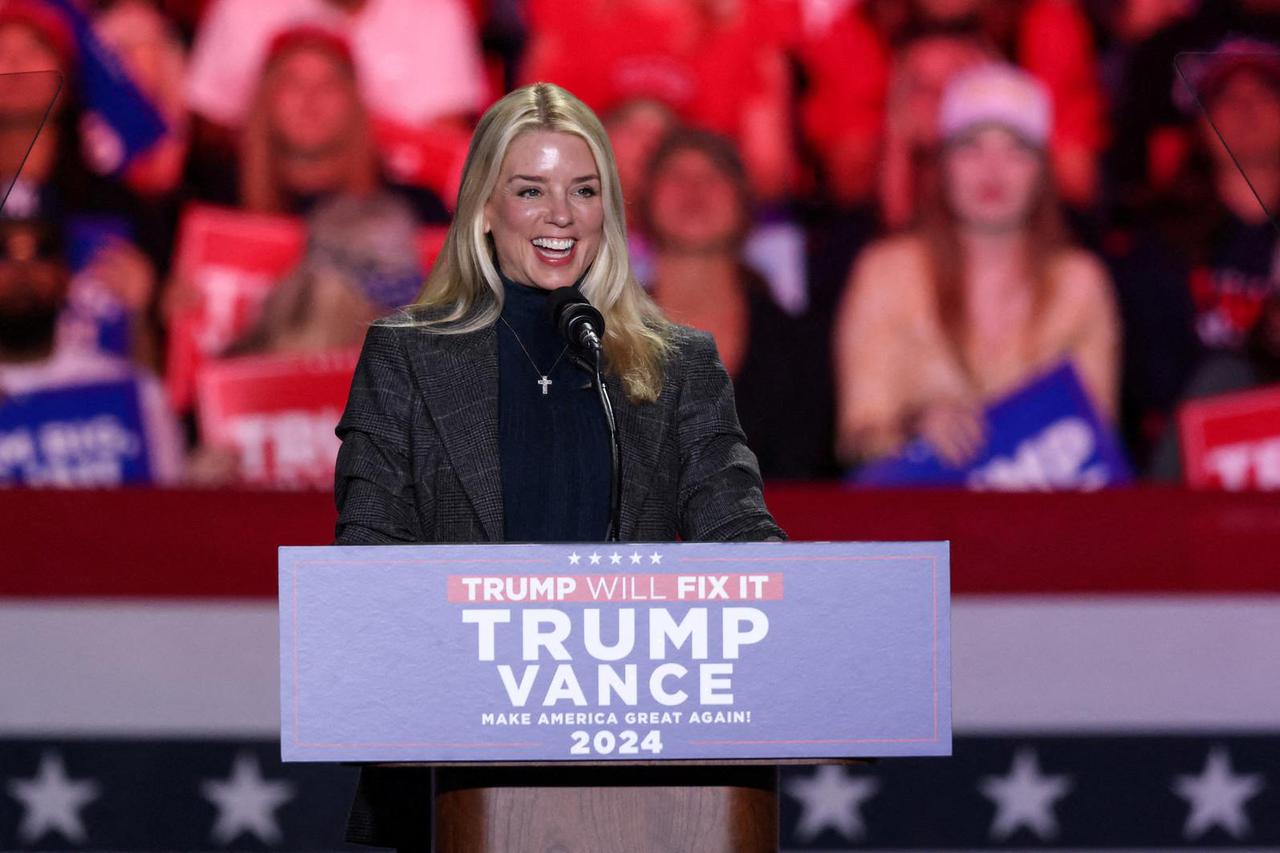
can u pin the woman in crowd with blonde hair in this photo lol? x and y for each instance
(307, 131)
(471, 420)
(307, 135)
(984, 294)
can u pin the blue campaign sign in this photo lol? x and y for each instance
(93, 315)
(120, 121)
(82, 435)
(614, 652)
(1045, 435)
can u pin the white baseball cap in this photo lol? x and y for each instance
(996, 94)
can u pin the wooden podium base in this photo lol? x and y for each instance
(632, 809)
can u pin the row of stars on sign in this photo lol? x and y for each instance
(615, 559)
(1025, 799)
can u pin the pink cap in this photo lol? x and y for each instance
(996, 94)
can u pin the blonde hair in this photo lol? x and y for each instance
(261, 183)
(1045, 239)
(463, 290)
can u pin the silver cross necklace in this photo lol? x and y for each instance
(543, 379)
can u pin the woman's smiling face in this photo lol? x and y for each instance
(546, 214)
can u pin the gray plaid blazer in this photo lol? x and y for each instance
(419, 455)
(419, 462)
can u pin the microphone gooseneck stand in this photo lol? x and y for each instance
(582, 324)
(615, 449)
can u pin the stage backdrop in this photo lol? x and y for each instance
(1114, 655)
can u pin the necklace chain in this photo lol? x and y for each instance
(543, 379)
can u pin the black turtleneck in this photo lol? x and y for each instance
(554, 446)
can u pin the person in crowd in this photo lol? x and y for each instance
(36, 43)
(922, 68)
(635, 128)
(696, 211)
(418, 61)
(477, 374)
(155, 58)
(721, 66)
(307, 134)
(842, 109)
(1233, 255)
(33, 289)
(1052, 40)
(1125, 28)
(1154, 133)
(41, 134)
(775, 242)
(982, 296)
(1255, 365)
(839, 224)
(1193, 284)
(361, 261)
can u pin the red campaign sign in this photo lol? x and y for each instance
(228, 260)
(1232, 441)
(278, 412)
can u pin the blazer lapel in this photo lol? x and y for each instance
(458, 377)
(640, 432)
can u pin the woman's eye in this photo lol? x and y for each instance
(529, 192)
(586, 192)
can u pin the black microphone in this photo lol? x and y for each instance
(576, 319)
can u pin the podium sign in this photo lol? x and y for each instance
(640, 652)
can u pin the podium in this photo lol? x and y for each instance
(663, 807)
(620, 697)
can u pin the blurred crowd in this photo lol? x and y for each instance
(889, 213)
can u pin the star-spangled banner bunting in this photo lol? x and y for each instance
(1194, 792)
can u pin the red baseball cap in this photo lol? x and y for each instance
(310, 35)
